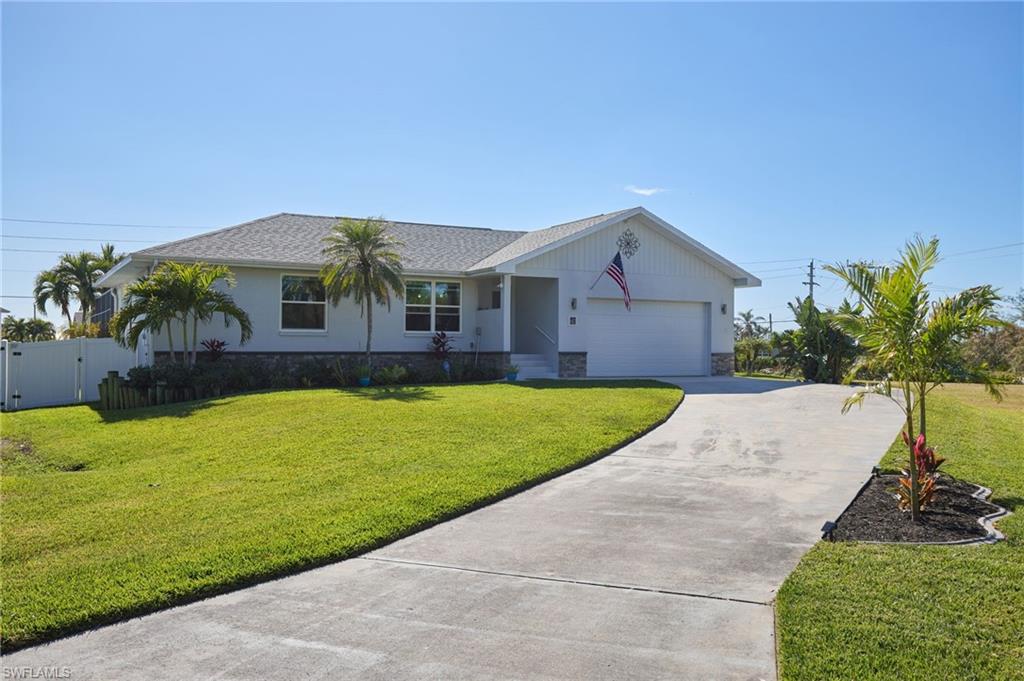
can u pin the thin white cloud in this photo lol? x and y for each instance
(643, 191)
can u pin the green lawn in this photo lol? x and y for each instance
(110, 515)
(859, 611)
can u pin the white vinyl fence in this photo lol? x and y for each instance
(50, 373)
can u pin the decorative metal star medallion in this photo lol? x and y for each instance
(628, 243)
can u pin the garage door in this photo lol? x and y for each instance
(654, 339)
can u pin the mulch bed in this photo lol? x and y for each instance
(875, 516)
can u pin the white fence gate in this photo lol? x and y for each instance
(50, 373)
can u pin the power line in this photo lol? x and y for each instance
(990, 248)
(767, 262)
(78, 238)
(101, 224)
(30, 250)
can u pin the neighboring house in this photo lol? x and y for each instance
(524, 297)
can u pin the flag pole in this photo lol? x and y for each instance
(602, 272)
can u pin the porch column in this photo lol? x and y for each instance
(506, 313)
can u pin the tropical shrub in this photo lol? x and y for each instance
(82, 330)
(214, 348)
(391, 375)
(440, 346)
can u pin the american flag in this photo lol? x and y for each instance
(616, 272)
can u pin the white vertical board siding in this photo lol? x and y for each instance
(49, 373)
(655, 338)
(662, 269)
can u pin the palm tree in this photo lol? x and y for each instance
(147, 306)
(108, 258)
(198, 299)
(40, 330)
(27, 330)
(906, 336)
(749, 326)
(15, 329)
(81, 271)
(177, 292)
(53, 287)
(363, 262)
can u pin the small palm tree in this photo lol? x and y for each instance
(147, 306)
(906, 336)
(363, 262)
(177, 292)
(53, 287)
(197, 299)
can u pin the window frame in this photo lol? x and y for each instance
(433, 306)
(281, 302)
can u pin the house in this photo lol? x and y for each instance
(536, 298)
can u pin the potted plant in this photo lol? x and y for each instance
(511, 372)
(363, 374)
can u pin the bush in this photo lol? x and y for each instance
(391, 375)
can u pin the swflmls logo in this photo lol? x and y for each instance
(53, 672)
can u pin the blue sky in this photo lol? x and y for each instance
(777, 132)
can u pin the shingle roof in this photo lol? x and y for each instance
(531, 241)
(292, 239)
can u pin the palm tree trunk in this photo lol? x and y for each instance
(915, 510)
(195, 332)
(369, 329)
(921, 418)
(184, 339)
(170, 339)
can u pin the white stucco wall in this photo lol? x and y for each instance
(661, 269)
(258, 292)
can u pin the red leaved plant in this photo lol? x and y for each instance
(927, 474)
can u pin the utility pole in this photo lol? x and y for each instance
(770, 323)
(810, 283)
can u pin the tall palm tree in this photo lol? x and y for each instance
(52, 287)
(905, 335)
(81, 270)
(364, 263)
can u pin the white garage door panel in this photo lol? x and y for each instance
(654, 339)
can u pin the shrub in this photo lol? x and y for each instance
(440, 346)
(390, 375)
(214, 348)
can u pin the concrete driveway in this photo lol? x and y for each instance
(660, 561)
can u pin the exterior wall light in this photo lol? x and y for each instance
(725, 308)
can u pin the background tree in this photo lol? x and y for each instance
(52, 287)
(27, 330)
(818, 348)
(363, 262)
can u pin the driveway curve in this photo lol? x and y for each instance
(659, 561)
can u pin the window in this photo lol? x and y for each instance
(433, 306)
(303, 304)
